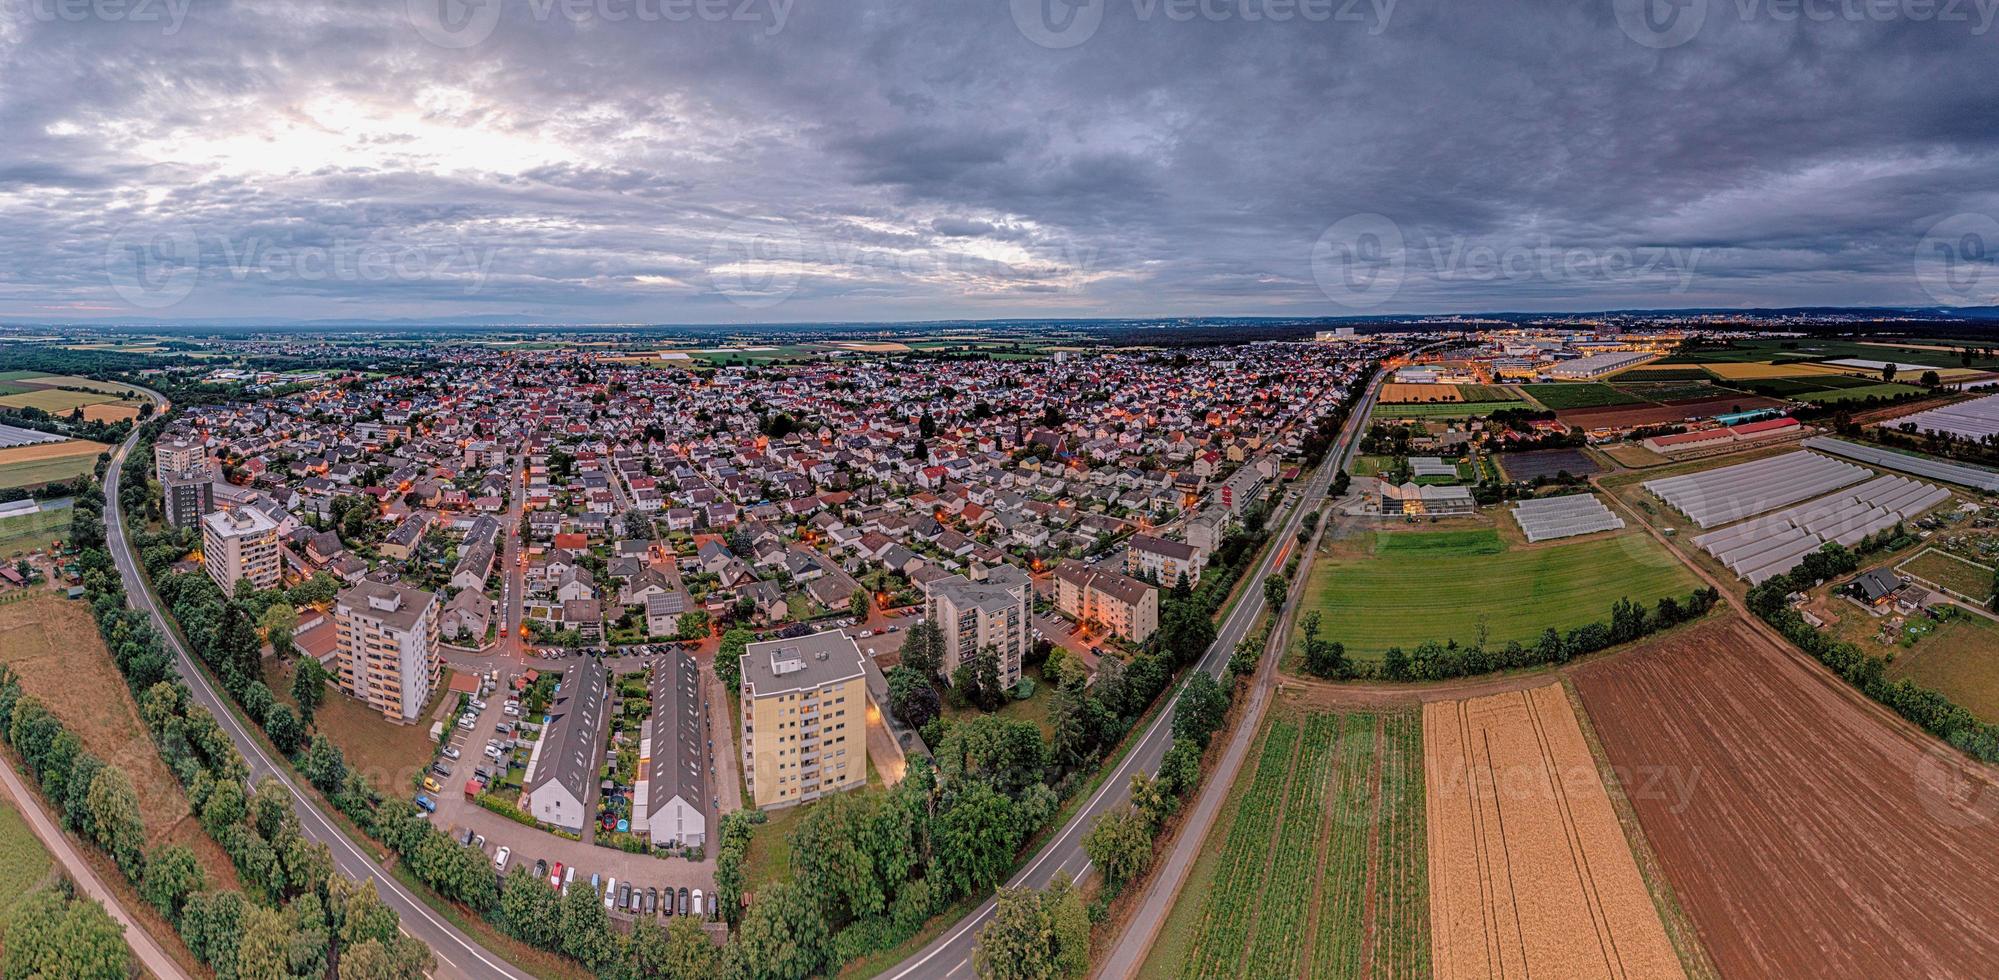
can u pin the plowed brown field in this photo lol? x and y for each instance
(1530, 874)
(1806, 833)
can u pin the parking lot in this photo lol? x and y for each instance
(457, 814)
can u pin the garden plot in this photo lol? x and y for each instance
(1731, 493)
(1564, 517)
(1772, 545)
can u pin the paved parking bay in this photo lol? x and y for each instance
(455, 814)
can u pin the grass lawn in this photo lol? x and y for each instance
(20, 535)
(1960, 660)
(1035, 709)
(387, 754)
(1403, 588)
(1967, 578)
(1578, 395)
(23, 861)
(1372, 465)
(1444, 410)
(1862, 393)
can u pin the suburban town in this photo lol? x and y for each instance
(622, 648)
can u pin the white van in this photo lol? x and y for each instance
(610, 893)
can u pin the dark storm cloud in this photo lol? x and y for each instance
(642, 160)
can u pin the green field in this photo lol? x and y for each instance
(1585, 394)
(1486, 393)
(1676, 391)
(1959, 575)
(1762, 350)
(1960, 661)
(1444, 410)
(23, 862)
(1648, 373)
(1288, 866)
(1861, 393)
(35, 472)
(1416, 586)
(53, 400)
(22, 534)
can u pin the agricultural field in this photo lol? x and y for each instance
(1445, 410)
(1536, 463)
(1668, 392)
(1582, 394)
(1868, 860)
(1322, 873)
(53, 645)
(1655, 372)
(1397, 393)
(1861, 393)
(24, 863)
(1528, 864)
(1765, 370)
(30, 532)
(1403, 588)
(1488, 393)
(32, 466)
(1962, 576)
(53, 400)
(1960, 660)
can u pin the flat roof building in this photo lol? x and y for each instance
(240, 544)
(804, 718)
(993, 609)
(385, 650)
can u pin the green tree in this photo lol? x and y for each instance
(114, 811)
(309, 686)
(911, 697)
(857, 605)
(1275, 589)
(1120, 845)
(172, 874)
(729, 658)
(51, 936)
(783, 936)
(586, 929)
(1199, 712)
(974, 840)
(323, 765)
(923, 648)
(528, 908)
(1034, 936)
(279, 621)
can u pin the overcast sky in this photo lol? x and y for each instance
(791, 160)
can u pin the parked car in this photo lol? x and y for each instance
(479, 841)
(652, 901)
(478, 705)
(500, 857)
(867, 633)
(669, 901)
(450, 752)
(555, 876)
(610, 893)
(596, 884)
(541, 867)
(439, 770)
(697, 901)
(426, 804)
(683, 900)
(512, 712)
(430, 783)
(568, 878)
(624, 898)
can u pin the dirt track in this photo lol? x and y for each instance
(1805, 833)
(1529, 871)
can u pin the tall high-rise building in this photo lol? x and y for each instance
(178, 454)
(240, 544)
(189, 495)
(993, 609)
(385, 650)
(804, 718)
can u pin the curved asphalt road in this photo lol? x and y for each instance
(457, 954)
(950, 955)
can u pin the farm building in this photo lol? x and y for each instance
(1597, 365)
(1935, 469)
(1724, 435)
(1421, 466)
(1730, 493)
(1410, 499)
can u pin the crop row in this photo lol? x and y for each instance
(1402, 888)
(1281, 915)
(1230, 905)
(1342, 926)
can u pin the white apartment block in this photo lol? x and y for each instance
(240, 544)
(993, 610)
